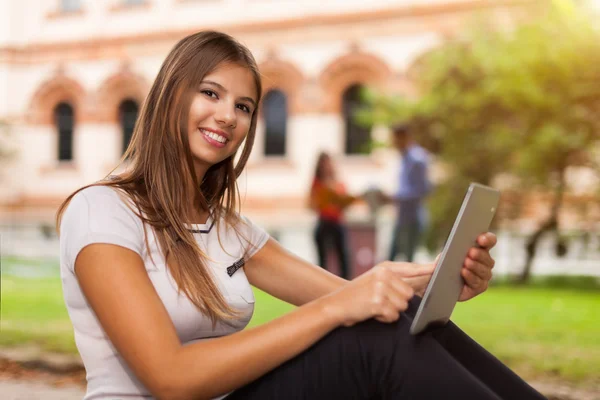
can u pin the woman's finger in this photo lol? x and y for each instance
(481, 270)
(481, 255)
(405, 270)
(487, 240)
(396, 301)
(418, 283)
(401, 288)
(388, 315)
(473, 281)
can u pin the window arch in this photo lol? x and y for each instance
(64, 121)
(357, 136)
(128, 113)
(275, 114)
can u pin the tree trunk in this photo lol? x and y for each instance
(551, 224)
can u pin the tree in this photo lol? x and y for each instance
(523, 102)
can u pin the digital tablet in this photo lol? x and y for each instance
(442, 293)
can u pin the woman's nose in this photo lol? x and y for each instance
(226, 115)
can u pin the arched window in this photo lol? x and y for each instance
(275, 119)
(65, 122)
(358, 137)
(128, 113)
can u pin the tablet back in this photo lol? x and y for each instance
(442, 293)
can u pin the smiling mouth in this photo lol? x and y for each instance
(214, 136)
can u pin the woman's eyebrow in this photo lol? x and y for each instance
(222, 88)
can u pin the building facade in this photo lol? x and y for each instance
(74, 73)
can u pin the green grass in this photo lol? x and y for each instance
(538, 331)
(33, 312)
(267, 307)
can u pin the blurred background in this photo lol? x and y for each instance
(504, 93)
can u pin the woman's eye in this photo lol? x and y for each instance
(244, 108)
(210, 93)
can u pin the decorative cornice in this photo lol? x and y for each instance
(89, 48)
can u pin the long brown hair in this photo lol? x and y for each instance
(160, 166)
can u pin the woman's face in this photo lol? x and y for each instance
(220, 115)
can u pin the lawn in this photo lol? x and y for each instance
(538, 330)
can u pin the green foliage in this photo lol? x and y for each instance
(523, 102)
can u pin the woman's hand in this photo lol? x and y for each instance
(417, 276)
(380, 293)
(383, 292)
(477, 268)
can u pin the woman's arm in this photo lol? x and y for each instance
(346, 200)
(121, 295)
(288, 277)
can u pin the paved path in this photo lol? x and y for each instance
(27, 390)
(18, 383)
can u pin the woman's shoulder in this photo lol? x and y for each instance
(234, 221)
(241, 224)
(103, 195)
(100, 202)
(99, 214)
(99, 190)
(252, 236)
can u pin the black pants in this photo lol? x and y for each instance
(372, 360)
(332, 235)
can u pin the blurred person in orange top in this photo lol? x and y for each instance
(328, 197)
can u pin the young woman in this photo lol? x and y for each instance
(157, 265)
(328, 197)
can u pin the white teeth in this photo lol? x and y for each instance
(214, 136)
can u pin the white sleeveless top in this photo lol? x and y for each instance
(99, 214)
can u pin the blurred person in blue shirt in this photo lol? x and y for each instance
(414, 185)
